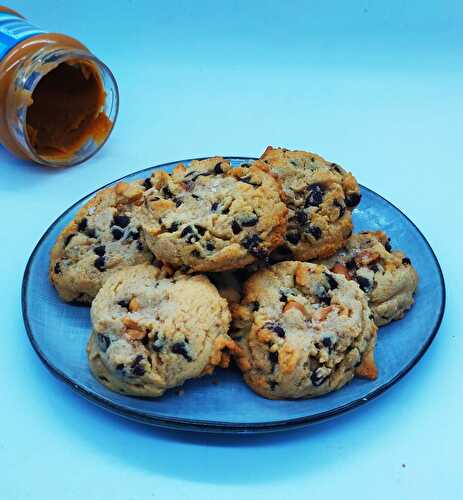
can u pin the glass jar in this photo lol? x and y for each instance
(58, 102)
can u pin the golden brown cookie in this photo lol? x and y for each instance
(320, 196)
(303, 331)
(104, 236)
(386, 276)
(152, 332)
(213, 217)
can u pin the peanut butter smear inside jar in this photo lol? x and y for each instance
(58, 102)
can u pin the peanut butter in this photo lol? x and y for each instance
(58, 102)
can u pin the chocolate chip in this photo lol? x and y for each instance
(324, 298)
(272, 384)
(273, 358)
(317, 380)
(189, 234)
(236, 228)
(210, 246)
(315, 196)
(173, 227)
(249, 221)
(145, 340)
(120, 367)
(226, 210)
(179, 348)
(218, 169)
(100, 250)
(100, 263)
(406, 261)
(121, 220)
(331, 281)
(259, 253)
(140, 246)
(342, 208)
(82, 224)
(301, 217)
(201, 230)
(178, 202)
(374, 268)
(353, 199)
(315, 231)
(214, 206)
(137, 369)
(91, 233)
(387, 245)
(167, 192)
(364, 283)
(336, 167)
(186, 230)
(248, 180)
(124, 303)
(293, 237)
(275, 327)
(68, 239)
(251, 242)
(104, 341)
(327, 342)
(283, 297)
(117, 233)
(134, 234)
(57, 268)
(351, 265)
(147, 183)
(254, 306)
(195, 254)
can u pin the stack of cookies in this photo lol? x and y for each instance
(187, 270)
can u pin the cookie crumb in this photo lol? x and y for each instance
(403, 466)
(180, 392)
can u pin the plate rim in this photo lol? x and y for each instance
(207, 425)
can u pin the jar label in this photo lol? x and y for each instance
(14, 29)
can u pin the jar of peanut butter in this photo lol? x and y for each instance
(58, 102)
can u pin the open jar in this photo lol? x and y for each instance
(58, 102)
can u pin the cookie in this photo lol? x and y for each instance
(302, 331)
(213, 217)
(320, 196)
(152, 332)
(386, 276)
(104, 236)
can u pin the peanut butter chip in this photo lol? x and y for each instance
(134, 305)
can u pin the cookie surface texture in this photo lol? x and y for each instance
(302, 331)
(104, 236)
(152, 332)
(212, 216)
(387, 276)
(320, 196)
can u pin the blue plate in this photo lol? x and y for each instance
(59, 332)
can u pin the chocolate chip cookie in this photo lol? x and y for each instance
(320, 196)
(104, 236)
(152, 332)
(303, 331)
(212, 216)
(386, 276)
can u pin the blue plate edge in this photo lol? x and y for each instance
(207, 426)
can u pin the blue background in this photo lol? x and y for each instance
(375, 86)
